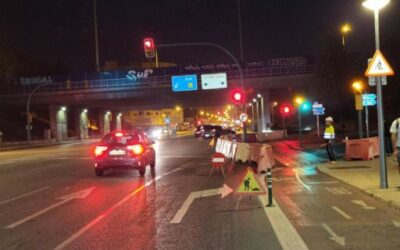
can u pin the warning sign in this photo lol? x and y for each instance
(249, 184)
(379, 66)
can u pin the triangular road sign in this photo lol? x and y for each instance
(379, 66)
(249, 184)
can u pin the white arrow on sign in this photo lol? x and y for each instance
(223, 191)
(338, 239)
(77, 195)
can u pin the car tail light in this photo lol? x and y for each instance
(119, 134)
(99, 150)
(136, 149)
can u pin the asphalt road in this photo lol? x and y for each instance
(51, 199)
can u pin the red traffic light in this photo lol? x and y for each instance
(237, 96)
(149, 48)
(285, 109)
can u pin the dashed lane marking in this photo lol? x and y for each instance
(23, 195)
(342, 213)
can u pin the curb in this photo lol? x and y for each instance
(374, 196)
(36, 146)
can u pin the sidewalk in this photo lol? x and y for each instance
(364, 175)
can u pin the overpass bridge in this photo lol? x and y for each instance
(116, 94)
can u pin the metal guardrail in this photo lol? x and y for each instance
(152, 81)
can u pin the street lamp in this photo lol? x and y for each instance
(252, 116)
(262, 112)
(346, 28)
(376, 5)
(257, 113)
(358, 88)
(299, 102)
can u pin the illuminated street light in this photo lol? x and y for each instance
(376, 5)
(84, 110)
(358, 88)
(178, 108)
(201, 112)
(63, 108)
(346, 28)
(299, 100)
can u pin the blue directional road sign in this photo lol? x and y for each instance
(318, 109)
(369, 99)
(184, 83)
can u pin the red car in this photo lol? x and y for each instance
(126, 150)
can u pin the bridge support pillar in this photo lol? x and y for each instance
(81, 123)
(118, 121)
(105, 122)
(59, 122)
(267, 110)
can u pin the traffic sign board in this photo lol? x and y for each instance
(218, 160)
(184, 83)
(369, 102)
(243, 117)
(214, 81)
(249, 184)
(369, 97)
(379, 66)
(372, 80)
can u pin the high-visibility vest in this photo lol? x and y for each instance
(329, 132)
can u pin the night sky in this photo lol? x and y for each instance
(61, 31)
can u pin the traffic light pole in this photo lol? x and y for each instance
(207, 44)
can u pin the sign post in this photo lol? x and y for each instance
(368, 100)
(379, 67)
(218, 161)
(318, 109)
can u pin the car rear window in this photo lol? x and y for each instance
(126, 139)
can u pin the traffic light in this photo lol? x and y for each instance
(237, 96)
(149, 47)
(305, 106)
(285, 109)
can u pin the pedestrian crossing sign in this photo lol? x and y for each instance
(249, 184)
(379, 66)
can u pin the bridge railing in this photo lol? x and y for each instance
(152, 81)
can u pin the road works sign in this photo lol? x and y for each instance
(249, 184)
(379, 66)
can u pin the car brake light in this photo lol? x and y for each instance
(136, 149)
(119, 134)
(99, 150)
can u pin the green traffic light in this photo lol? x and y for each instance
(306, 106)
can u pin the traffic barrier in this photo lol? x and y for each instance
(364, 149)
(245, 152)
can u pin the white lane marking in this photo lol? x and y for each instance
(7, 162)
(224, 191)
(23, 195)
(322, 182)
(76, 195)
(363, 204)
(299, 180)
(396, 223)
(342, 213)
(287, 235)
(111, 210)
(338, 191)
(338, 239)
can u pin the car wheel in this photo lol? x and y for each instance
(99, 172)
(142, 171)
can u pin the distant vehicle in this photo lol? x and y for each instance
(209, 131)
(126, 150)
(154, 132)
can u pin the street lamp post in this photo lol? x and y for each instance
(358, 88)
(28, 104)
(262, 112)
(257, 114)
(299, 101)
(346, 28)
(252, 116)
(376, 5)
